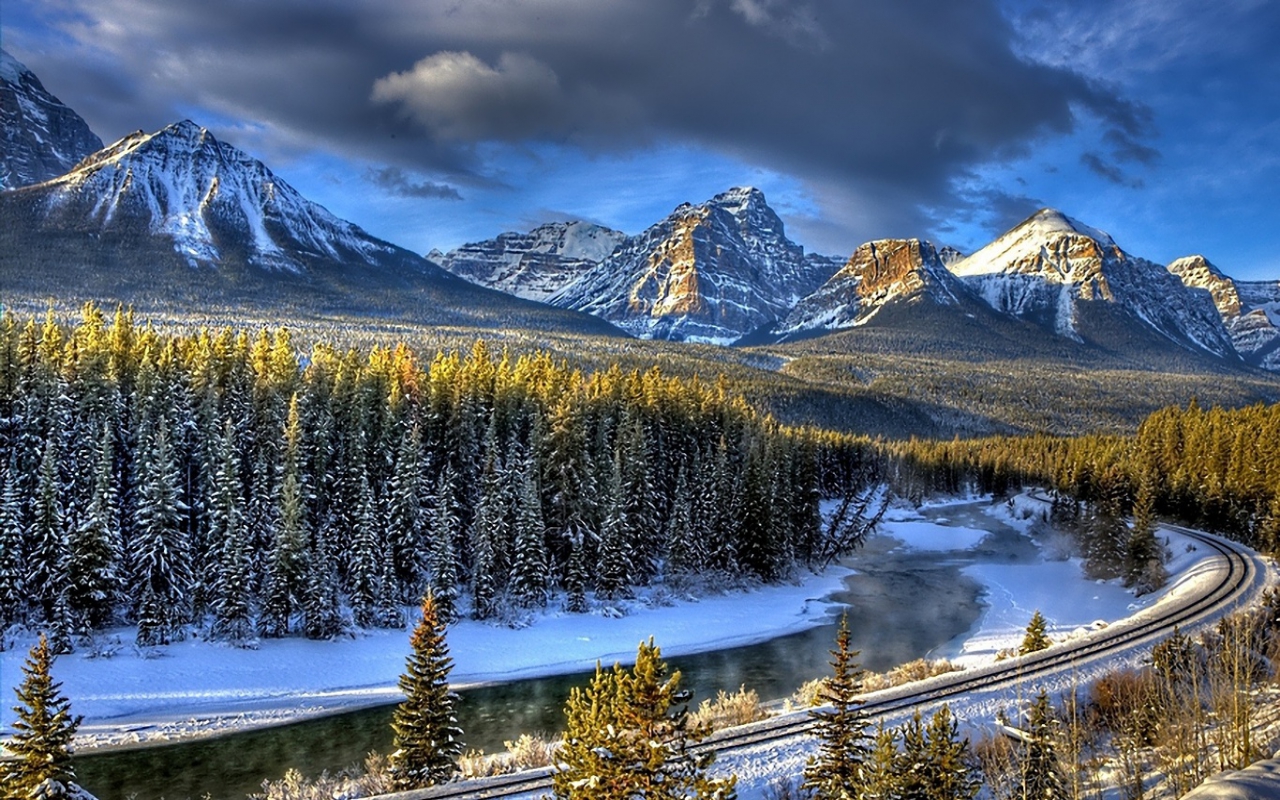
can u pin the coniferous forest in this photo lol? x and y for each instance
(1214, 468)
(226, 483)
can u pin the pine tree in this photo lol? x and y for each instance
(43, 734)
(48, 556)
(1037, 637)
(428, 740)
(628, 736)
(321, 611)
(1144, 562)
(1041, 773)
(366, 561)
(685, 554)
(228, 539)
(880, 777)
(530, 569)
(444, 555)
(946, 757)
(837, 770)
(575, 579)
(914, 776)
(287, 566)
(488, 530)
(161, 557)
(13, 593)
(94, 546)
(614, 570)
(404, 521)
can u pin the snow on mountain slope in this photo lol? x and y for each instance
(1047, 268)
(1250, 310)
(40, 137)
(533, 265)
(207, 197)
(877, 274)
(713, 273)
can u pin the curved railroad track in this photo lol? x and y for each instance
(1136, 631)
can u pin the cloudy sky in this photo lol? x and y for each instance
(435, 122)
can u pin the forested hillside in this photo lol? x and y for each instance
(223, 482)
(1212, 467)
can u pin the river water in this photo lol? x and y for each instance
(902, 605)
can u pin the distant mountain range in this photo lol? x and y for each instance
(179, 218)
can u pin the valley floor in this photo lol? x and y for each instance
(196, 688)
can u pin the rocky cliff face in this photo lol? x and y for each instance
(1050, 267)
(878, 274)
(40, 137)
(713, 272)
(1250, 310)
(533, 265)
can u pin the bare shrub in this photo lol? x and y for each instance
(918, 670)
(527, 752)
(727, 710)
(354, 782)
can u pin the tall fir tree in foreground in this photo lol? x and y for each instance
(42, 735)
(428, 740)
(837, 771)
(628, 736)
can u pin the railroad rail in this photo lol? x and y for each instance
(1136, 631)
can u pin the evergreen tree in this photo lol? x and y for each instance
(575, 579)
(614, 572)
(837, 770)
(287, 566)
(530, 570)
(48, 556)
(428, 740)
(1041, 773)
(227, 537)
(685, 554)
(321, 612)
(947, 757)
(13, 593)
(444, 555)
(1144, 561)
(161, 557)
(487, 532)
(1037, 637)
(43, 735)
(366, 561)
(628, 736)
(405, 515)
(914, 775)
(880, 776)
(94, 547)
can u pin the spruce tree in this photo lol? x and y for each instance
(686, 555)
(321, 611)
(628, 736)
(13, 593)
(287, 565)
(94, 546)
(445, 569)
(880, 775)
(837, 770)
(428, 740)
(575, 579)
(228, 540)
(947, 760)
(1144, 557)
(48, 556)
(614, 572)
(530, 569)
(161, 558)
(405, 516)
(1036, 637)
(43, 734)
(366, 561)
(1041, 773)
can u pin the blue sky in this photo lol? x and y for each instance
(431, 123)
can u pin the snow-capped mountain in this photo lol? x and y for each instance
(179, 216)
(1250, 310)
(877, 274)
(713, 272)
(1056, 271)
(533, 265)
(40, 137)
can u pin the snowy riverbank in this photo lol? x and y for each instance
(197, 688)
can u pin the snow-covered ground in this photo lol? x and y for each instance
(197, 688)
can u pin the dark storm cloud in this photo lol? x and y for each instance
(1105, 169)
(859, 94)
(394, 180)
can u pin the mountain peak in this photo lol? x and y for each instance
(1051, 220)
(40, 137)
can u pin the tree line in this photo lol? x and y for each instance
(1215, 468)
(225, 481)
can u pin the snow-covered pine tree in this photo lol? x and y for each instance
(428, 740)
(947, 757)
(641, 531)
(445, 569)
(880, 776)
(685, 554)
(1144, 558)
(388, 613)
(48, 556)
(575, 576)
(161, 557)
(13, 592)
(94, 547)
(531, 567)
(321, 610)
(43, 734)
(614, 571)
(489, 529)
(366, 561)
(759, 549)
(229, 546)
(287, 561)
(405, 516)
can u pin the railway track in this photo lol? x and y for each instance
(1135, 631)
